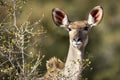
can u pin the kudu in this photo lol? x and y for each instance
(78, 38)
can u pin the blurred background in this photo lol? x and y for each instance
(104, 40)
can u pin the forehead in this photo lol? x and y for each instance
(78, 24)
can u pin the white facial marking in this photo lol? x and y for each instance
(77, 43)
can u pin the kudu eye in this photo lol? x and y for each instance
(69, 29)
(86, 28)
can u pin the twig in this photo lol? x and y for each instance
(14, 15)
(36, 64)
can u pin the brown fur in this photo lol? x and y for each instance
(78, 24)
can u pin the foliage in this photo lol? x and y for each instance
(17, 61)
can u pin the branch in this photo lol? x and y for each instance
(14, 15)
(36, 64)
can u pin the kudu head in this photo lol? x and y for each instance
(78, 30)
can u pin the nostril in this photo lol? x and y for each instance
(77, 39)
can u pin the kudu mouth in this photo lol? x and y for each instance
(77, 43)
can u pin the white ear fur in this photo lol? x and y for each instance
(95, 16)
(60, 18)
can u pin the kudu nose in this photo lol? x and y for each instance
(77, 39)
(76, 42)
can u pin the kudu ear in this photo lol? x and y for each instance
(95, 16)
(60, 18)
